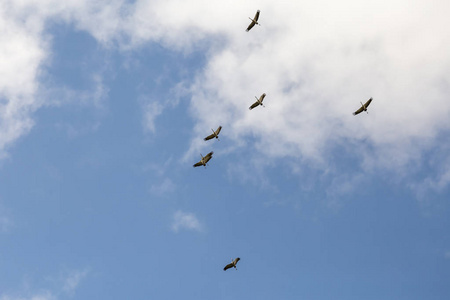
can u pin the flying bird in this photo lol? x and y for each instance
(204, 160)
(254, 21)
(215, 134)
(363, 107)
(232, 265)
(258, 102)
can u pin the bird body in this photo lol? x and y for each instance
(363, 107)
(204, 160)
(232, 264)
(254, 21)
(215, 134)
(258, 102)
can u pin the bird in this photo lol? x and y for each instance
(363, 107)
(258, 102)
(215, 134)
(204, 160)
(232, 265)
(254, 21)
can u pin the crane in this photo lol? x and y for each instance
(204, 160)
(233, 264)
(254, 21)
(363, 107)
(258, 101)
(215, 134)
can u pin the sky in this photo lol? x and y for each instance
(103, 109)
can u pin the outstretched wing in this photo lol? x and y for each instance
(236, 260)
(218, 130)
(227, 267)
(250, 26)
(209, 155)
(198, 164)
(209, 137)
(207, 158)
(254, 105)
(256, 16)
(262, 97)
(358, 111)
(368, 102)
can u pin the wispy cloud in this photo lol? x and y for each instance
(24, 87)
(46, 295)
(186, 221)
(5, 224)
(163, 188)
(5, 220)
(73, 280)
(313, 79)
(151, 112)
(62, 287)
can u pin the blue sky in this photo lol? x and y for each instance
(103, 109)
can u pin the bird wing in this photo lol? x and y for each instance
(209, 137)
(218, 130)
(228, 266)
(358, 111)
(256, 16)
(198, 164)
(262, 97)
(209, 154)
(368, 102)
(254, 105)
(250, 26)
(236, 260)
(207, 158)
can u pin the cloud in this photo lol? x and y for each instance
(314, 78)
(5, 220)
(73, 280)
(25, 51)
(63, 286)
(187, 221)
(5, 224)
(315, 61)
(163, 188)
(22, 53)
(151, 112)
(38, 296)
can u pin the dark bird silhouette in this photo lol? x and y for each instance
(233, 264)
(204, 160)
(254, 21)
(215, 134)
(363, 107)
(258, 101)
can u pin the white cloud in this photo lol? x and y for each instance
(21, 54)
(316, 63)
(163, 188)
(73, 280)
(38, 296)
(151, 112)
(185, 220)
(438, 180)
(316, 70)
(315, 60)
(66, 285)
(25, 50)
